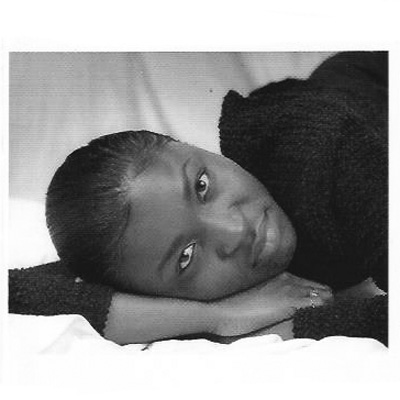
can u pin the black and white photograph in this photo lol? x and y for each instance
(177, 211)
(265, 215)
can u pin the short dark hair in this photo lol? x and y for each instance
(87, 208)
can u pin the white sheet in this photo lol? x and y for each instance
(29, 242)
(66, 348)
(72, 334)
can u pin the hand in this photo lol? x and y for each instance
(266, 304)
(363, 290)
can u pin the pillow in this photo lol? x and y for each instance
(29, 240)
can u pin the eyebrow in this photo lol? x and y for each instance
(178, 240)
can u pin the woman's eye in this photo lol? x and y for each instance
(202, 185)
(186, 257)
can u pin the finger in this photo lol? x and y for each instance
(324, 295)
(312, 297)
(307, 291)
(308, 283)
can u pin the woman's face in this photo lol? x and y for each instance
(202, 228)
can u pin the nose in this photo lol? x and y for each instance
(227, 230)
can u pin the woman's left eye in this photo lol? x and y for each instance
(186, 257)
(202, 185)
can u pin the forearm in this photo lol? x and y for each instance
(128, 318)
(50, 290)
(137, 319)
(352, 317)
(123, 318)
(367, 317)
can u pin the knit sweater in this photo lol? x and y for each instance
(320, 147)
(51, 289)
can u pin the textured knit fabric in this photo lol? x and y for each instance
(51, 289)
(320, 147)
(352, 317)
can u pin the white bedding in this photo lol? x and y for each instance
(66, 348)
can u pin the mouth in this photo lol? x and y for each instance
(261, 238)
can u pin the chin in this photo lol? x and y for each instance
(288, 247)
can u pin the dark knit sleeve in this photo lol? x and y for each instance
(50, 290)
(351, 317)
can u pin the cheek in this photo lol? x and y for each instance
(243, 181)
(217, 279)
(232, 176)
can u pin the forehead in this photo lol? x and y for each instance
(161, 177)
(158, 210)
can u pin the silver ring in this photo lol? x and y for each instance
(313, 294)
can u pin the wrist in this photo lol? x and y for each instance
(210, 316)
(223, 320)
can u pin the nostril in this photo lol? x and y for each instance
(229, 230)
(252, 248)
(232, 242)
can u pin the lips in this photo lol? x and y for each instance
(261, 237)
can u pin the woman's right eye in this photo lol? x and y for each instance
(202, 185)
(186, 257)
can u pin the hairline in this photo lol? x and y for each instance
(117, 271)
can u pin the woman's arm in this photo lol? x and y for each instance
(139, 319)
(51, 289)
(136, 319)
(365, 317)
(361, 311)
(127, 318)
